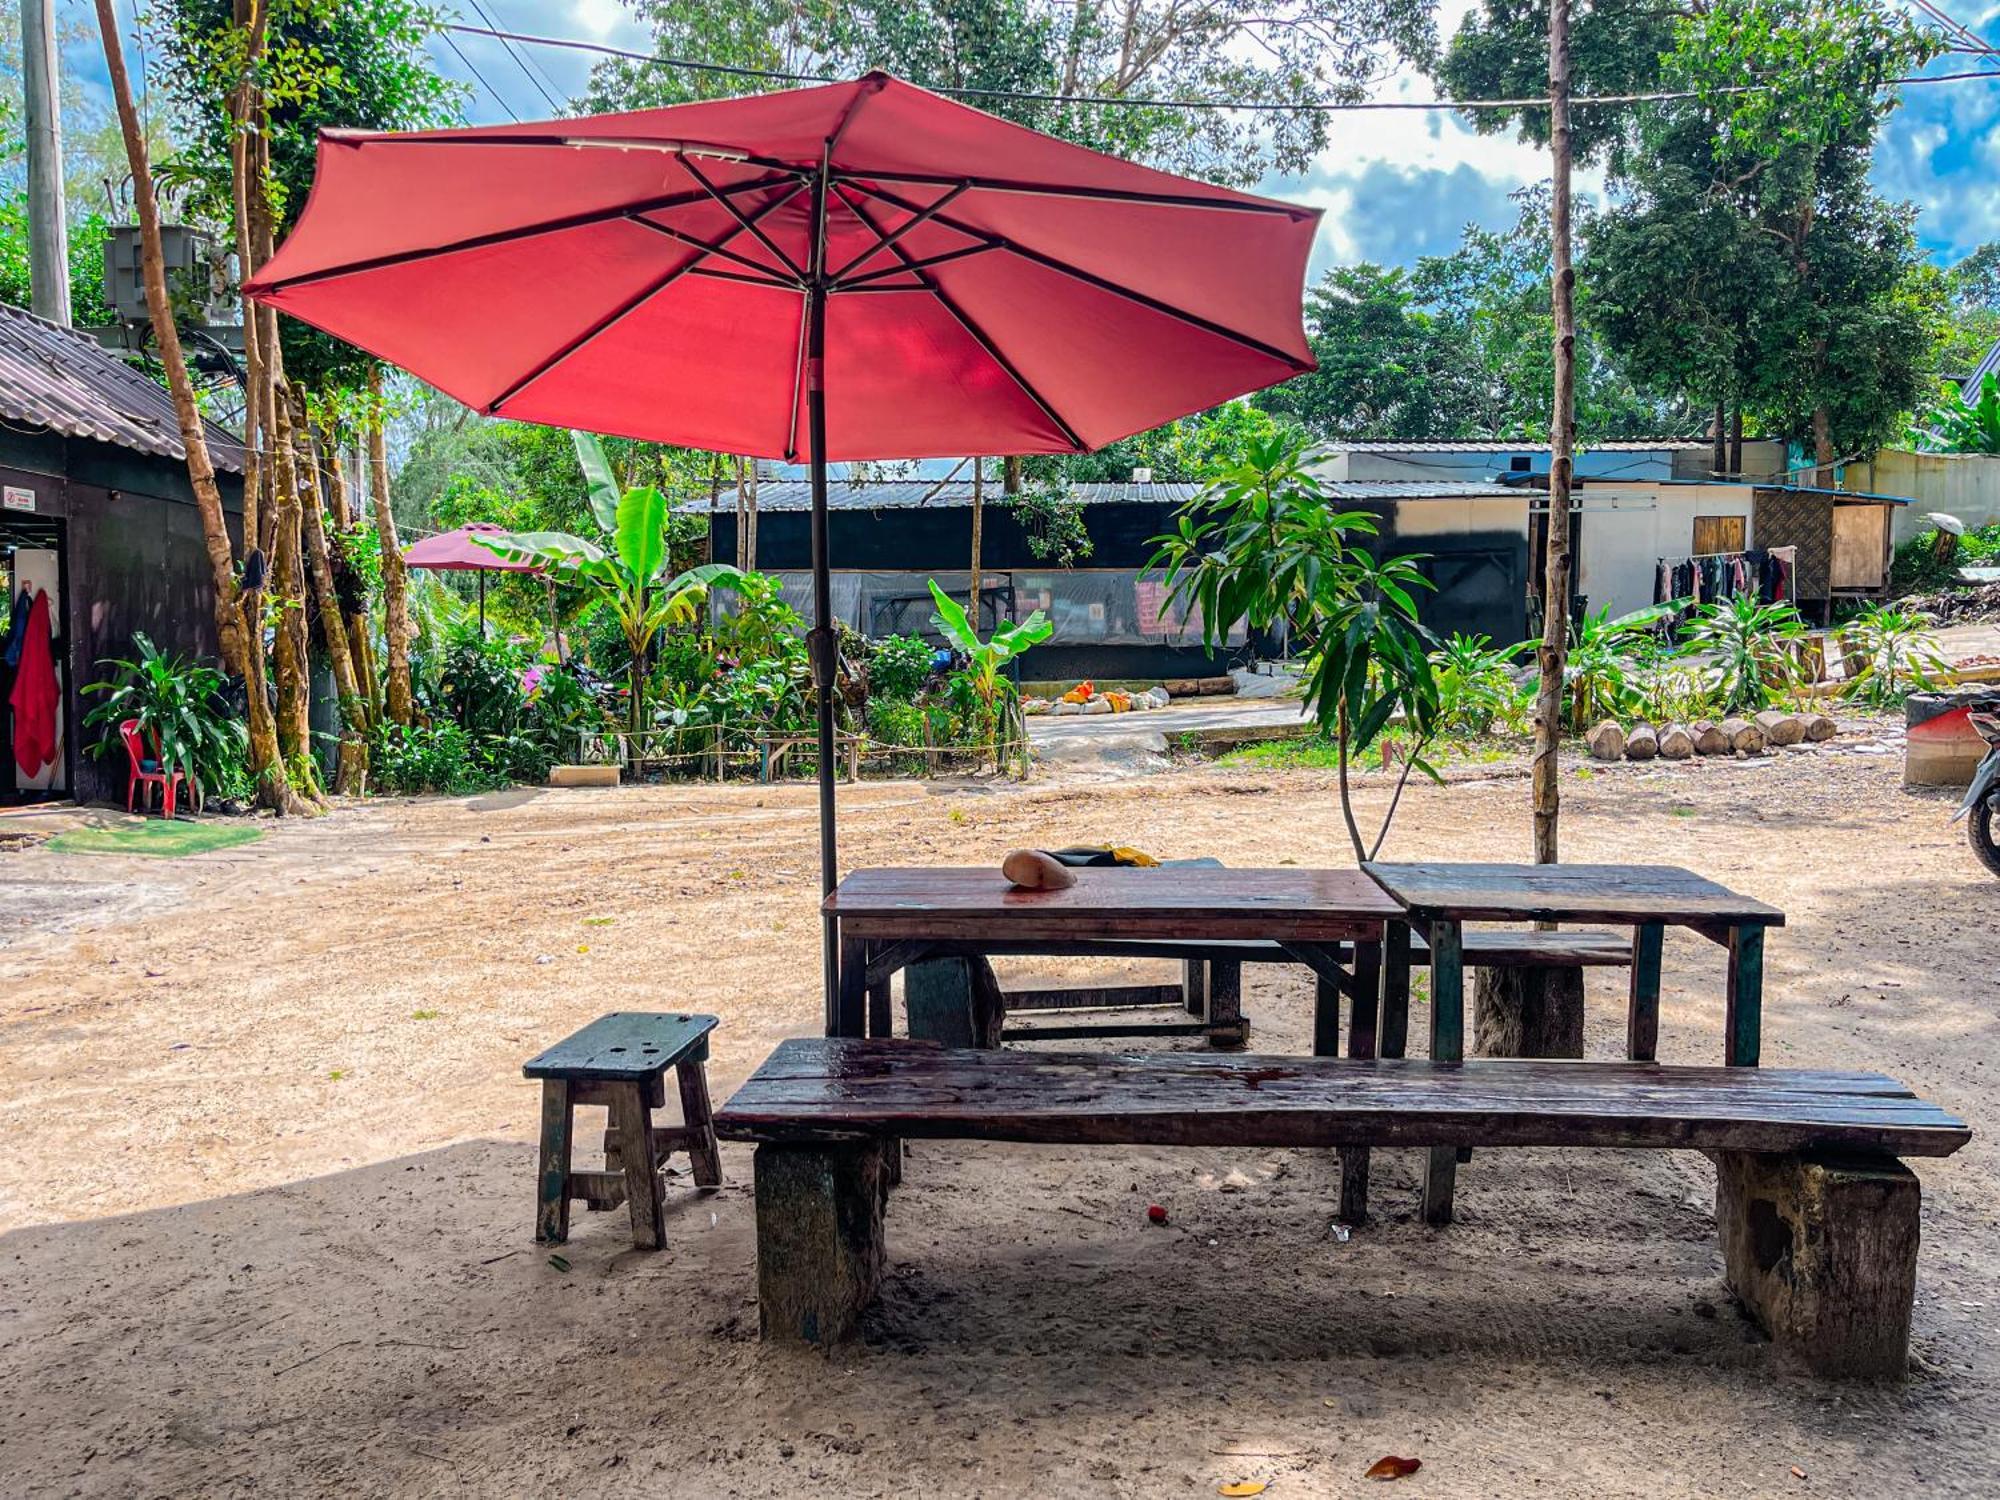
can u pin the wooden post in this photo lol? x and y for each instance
(819, 1239)
(1395, 1023)
(1326, 1018)
(638, 1154)
(1562, 447)
(978, 518)
(1227, 1030)
(1743, 1011)
(1642, 1019)
(1447, 1045)
(1194, 986)
(1822, 1251)
(698, 1118)
(552, 1180)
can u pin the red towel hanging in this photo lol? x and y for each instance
(34, 697)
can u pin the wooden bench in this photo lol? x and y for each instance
(621, 1061)
(954, 1000)
(1817, 1215)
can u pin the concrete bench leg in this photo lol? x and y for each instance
(1822, 1251)
(819, 1239)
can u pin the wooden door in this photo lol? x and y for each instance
(1718, 534)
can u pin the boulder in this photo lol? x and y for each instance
(1642, 743)
(1781, 728)
(1709, 738)
(1675, 742)
(1819, 727)
(1159, 697)
(1606, 742)
(1745, 738)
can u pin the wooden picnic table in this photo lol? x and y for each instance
(1442, 898)
(1331, 921)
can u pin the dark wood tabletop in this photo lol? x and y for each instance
(1568, 893)
(1285, 904)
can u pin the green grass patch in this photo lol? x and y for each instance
(156, 838)
(1322, 755)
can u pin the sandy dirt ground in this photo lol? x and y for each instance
(266, 1177)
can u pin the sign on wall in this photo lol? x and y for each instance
(17, 497)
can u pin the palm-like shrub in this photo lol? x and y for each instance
(1890, 654)
(181, 709)
(1748, 646)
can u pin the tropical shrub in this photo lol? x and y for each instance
(1476, 686)
(1748, 646)
(1606, 658)
(1956, 425)
(899, 666)
(182, 712)
(998, 711)
(631, 575)
(1890, 654)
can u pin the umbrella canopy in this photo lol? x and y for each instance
(861, 270)
(457, 552)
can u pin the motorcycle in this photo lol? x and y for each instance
(1981, 807)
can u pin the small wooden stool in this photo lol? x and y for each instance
(621, 1061)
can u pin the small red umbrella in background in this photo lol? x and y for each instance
(861, 270)
(457, 552)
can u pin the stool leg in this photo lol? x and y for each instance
(700, 1122)
(552, 1179)
(642, 1167)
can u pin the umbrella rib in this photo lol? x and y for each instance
(716, 249)
(517, 232)
(978, 335)
(625, 309)
(870, 277)
(1103, 284)
(1100, 195)
(798, 385)
(884, 242)
(737, 214)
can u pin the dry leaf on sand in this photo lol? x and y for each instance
(1393, 1467)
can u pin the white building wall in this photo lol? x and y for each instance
(1626, 531)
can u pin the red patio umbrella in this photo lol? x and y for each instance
(457, 552)
(861, 270)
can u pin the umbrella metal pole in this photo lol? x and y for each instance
(482, 606)
(824, 649)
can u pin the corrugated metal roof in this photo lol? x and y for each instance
(1969, 391)
(924, 494)
(1482, 445)
(57, 378)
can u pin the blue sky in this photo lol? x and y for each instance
(1394, 186)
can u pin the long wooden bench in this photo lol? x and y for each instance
(1817, 1215)
(948, 995)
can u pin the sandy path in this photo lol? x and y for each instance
(265, 1179)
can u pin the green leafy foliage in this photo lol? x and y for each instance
(1261, 544)
(627, 569)
(1953, 424)
(181, 709)
(1476, 687)
(898, 667)
(1931, 559)
(1747, 646)
(997, 709)
(1890, 654)
(1606, 656)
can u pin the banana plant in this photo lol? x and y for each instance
(987, 657)
(627, 567)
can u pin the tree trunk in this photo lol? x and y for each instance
(238, 638)
(750, 517)
(1010, 475)
(291, 659)
(395, 577)
(1562, 446)
(742, 518)
(350, 778)
(1718, 457)
(355, 623)
(1822, 430)
(1736, 441)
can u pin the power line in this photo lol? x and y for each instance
(534, 75)
(1255, 106)
(498, 98)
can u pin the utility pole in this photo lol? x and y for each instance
(48, 229)
(1562, 455)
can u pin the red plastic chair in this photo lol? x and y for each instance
(135, 752)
